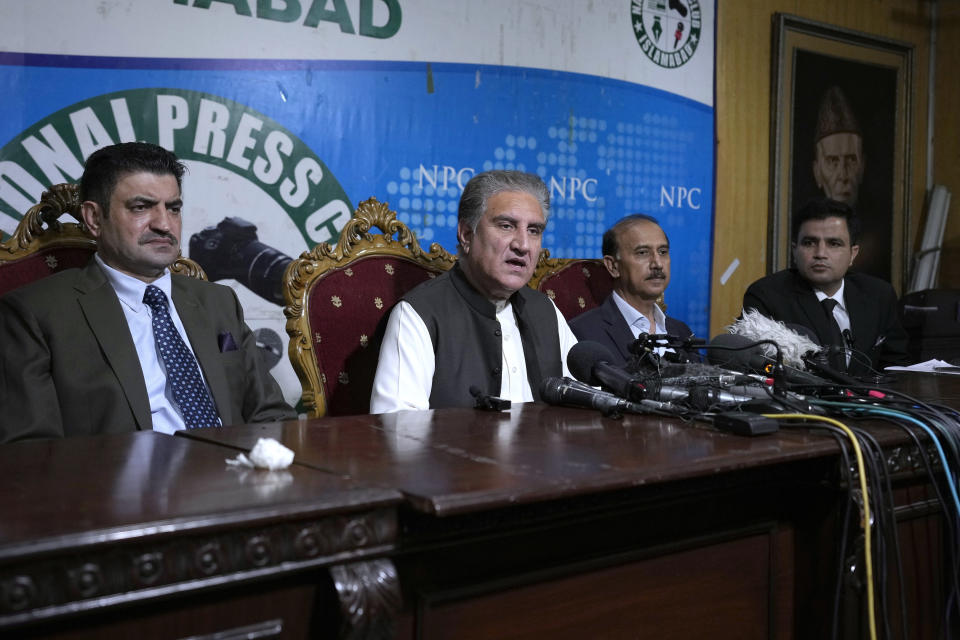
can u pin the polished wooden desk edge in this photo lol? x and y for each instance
(351, 530)
(121, 565)
(737, 454)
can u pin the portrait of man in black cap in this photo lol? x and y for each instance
(838, 149)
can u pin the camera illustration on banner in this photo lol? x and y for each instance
(232, 250)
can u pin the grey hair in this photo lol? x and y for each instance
(484, 186)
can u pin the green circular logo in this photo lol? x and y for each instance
(668, 31)
(198, 127)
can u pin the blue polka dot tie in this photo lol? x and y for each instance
(189, 392)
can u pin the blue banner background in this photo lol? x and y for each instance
(375, 124)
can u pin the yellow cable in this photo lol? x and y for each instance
(871, 617)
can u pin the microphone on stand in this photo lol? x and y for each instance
(571, 393)
(486, 402)
(589, 362)
(822, 366)
(847, 338)
(737, 352)
(649, 342)
(701, 397)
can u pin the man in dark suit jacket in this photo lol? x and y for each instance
(865, 312)
(636, 252)
(79, 354)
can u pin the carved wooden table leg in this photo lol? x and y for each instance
(369, 594)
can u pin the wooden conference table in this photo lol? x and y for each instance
(537, 522)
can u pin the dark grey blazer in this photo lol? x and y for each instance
(606, 325)
(68, 365)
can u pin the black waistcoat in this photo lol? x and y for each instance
(467, 338)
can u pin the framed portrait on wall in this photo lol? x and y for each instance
(840, 118)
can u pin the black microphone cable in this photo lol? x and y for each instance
(885, 524)
(950, 508)
(856, 505)
(865, 511)
(841, 550)
(940, 421)
(854, 511)
(941, 426)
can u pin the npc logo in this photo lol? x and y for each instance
(668, 31)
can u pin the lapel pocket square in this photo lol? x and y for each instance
(226, 342)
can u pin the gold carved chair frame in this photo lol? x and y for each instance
(356, 244)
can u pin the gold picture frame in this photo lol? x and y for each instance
(831, 86)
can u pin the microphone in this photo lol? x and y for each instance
(685, 374)
(571, 393)
(486, 402)
(589, 362)
(732, 351)
(737, 352)
(848, 339)
(648, 343)
(702, 397)
(676, 349)
(792, 340)
(824, 369)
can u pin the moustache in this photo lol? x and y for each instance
(153, 235)
(656, 275)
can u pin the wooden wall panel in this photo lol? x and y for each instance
(744, 34)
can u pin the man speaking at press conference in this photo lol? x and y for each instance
(478, 325)
(122, 344)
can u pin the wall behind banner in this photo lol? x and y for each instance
(290, 142)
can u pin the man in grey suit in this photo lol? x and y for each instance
(102, 350)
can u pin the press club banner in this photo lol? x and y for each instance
(290, 112)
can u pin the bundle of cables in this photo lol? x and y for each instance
(869, 524)
(759, 386)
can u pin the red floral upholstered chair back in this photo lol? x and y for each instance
(338, 298)
(42, 245)
(574, 284)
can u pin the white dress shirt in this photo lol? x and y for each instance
(639, 323)
(404, 375)
(163, 409)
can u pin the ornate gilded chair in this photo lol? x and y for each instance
(42, 245)
(337, 302)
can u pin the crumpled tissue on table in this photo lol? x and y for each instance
(266, 454)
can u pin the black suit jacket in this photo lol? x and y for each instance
(606, 325)
(871, 303)
(68, 365)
